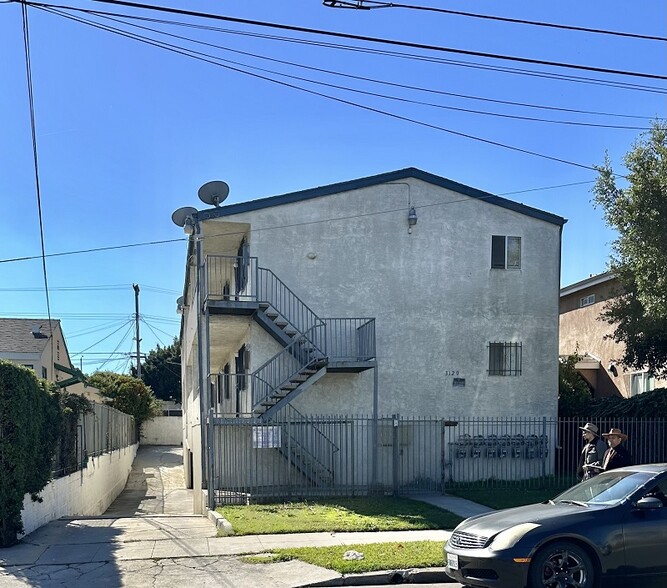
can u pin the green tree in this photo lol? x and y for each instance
(574, 394)
(127, 394)
(162, 371)
(638, 213)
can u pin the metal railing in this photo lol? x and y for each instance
(273, 291)
(350, 339)
(308, 448)
(103, 430)
(414, 455)
(240, 279)
(304, 351)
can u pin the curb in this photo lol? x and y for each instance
(222, 524)
(411, 576)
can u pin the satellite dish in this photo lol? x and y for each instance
(181, 214)
(213, 192)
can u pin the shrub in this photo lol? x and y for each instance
(30, 421)
(127, 394)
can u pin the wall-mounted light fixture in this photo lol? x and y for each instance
(412, 218)
(613, 369)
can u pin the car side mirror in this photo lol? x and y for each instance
(649, 503)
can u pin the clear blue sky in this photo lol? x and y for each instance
(127, 132)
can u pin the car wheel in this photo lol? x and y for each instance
(562, 565)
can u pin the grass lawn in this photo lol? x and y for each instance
(338, 515)
(377, 556)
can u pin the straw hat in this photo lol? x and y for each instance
(591, 428)
(615, 432)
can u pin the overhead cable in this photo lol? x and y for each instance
(216, 61)
(366, 38)
(373, 4)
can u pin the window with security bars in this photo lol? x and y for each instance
(505, 252)
(505, 359)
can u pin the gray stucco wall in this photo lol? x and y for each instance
(437, 302)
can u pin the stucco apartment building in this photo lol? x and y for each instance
(583, 332)
(444, 298)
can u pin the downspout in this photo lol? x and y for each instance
(374, 474)
(200, 355)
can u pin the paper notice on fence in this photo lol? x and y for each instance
(266, 437)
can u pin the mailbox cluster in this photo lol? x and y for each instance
(503, 446)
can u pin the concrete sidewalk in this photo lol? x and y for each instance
(149, 537)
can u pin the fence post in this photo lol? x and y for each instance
(396, 449)
(543, 445)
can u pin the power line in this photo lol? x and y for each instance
(33, 135)
(367, 39)
(95, 249)
(148, 243)
(374, 94)
(395, 54)
(215, 61)
(105, 338)
(372, 4)
(348, 75)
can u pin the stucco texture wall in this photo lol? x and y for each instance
(162, 430)
(436, 301)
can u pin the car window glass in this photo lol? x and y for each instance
(609, 488)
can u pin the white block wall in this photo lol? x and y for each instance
(87, 492)
(162, 430)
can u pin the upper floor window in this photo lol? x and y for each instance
(641, 382)
(505, 359)
(505, 252)
(587, 300)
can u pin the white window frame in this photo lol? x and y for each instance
(586, 300)
(512, 252)
(641, 382)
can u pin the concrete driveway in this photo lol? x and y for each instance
(148, 537)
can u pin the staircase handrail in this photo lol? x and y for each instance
(295, 310)
(323, 458)
(306, 419)
(289, 362)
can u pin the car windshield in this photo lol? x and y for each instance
(607, 488)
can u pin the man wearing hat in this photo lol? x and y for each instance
(617, 455)
(590, 460)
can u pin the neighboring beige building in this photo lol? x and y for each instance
(40, 345)
(582, 331)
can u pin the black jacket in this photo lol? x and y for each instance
(616, 457)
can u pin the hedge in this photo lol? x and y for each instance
(30, 424)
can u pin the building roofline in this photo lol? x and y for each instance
(410, 172)
(587, 283)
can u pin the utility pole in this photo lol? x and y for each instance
(136, 322)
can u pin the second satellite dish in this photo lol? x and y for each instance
(213, 192)
(179, 216)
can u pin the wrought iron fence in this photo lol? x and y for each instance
(298, 456)
(103, 430)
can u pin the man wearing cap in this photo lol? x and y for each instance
(617, 455)
(590, 460)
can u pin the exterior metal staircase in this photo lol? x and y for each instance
(307, 448)
(311, 347)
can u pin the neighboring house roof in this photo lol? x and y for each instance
(587, 283)
(410, 172)
(20, 335)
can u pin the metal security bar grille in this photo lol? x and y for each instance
(505, 359)
(299, 456)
